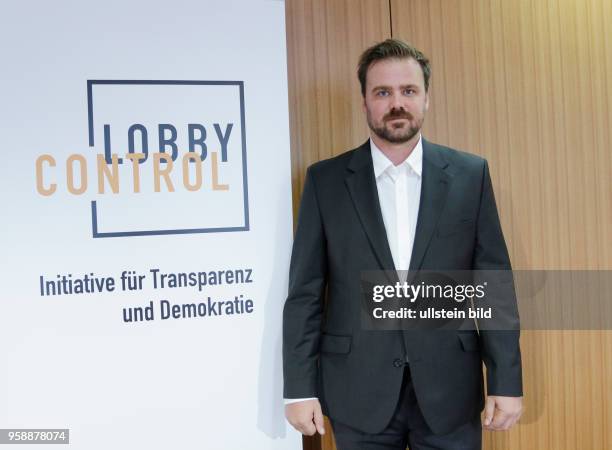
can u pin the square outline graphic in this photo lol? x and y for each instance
(94, 207)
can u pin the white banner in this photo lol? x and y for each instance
(146, 223)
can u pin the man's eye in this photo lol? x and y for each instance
(409, 91)
(382, 93)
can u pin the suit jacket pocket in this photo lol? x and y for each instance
(446, 229)
(469, 342)
(335, 344)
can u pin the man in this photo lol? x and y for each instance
(397, 202)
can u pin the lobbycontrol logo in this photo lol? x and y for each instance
(165, 157)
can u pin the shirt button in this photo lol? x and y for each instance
(398, 363)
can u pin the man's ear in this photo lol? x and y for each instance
(363, 104)
(426, 100)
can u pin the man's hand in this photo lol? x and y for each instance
(306, 417)
(501, 413)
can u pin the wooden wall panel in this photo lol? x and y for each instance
(324, 41)
(528, 85)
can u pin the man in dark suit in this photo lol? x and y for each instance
(397, 202)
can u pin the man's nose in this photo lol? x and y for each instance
(396, 101)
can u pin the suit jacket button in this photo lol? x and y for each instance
(398, 363)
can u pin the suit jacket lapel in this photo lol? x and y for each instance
(362, 187)
(434, 189)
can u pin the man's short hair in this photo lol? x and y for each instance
(391, 49)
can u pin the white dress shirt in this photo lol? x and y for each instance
(399, 195)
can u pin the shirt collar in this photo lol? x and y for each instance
(382, 163)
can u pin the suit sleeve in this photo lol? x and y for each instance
(500, 348)
(303, 308)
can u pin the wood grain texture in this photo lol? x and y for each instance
(527, 84)
(324, 41)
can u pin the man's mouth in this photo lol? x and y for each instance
(397, 121)
(393, 118)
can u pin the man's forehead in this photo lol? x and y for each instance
(395, 69)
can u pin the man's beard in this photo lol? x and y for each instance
(396, 135)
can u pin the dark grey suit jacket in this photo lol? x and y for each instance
(340, 232)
